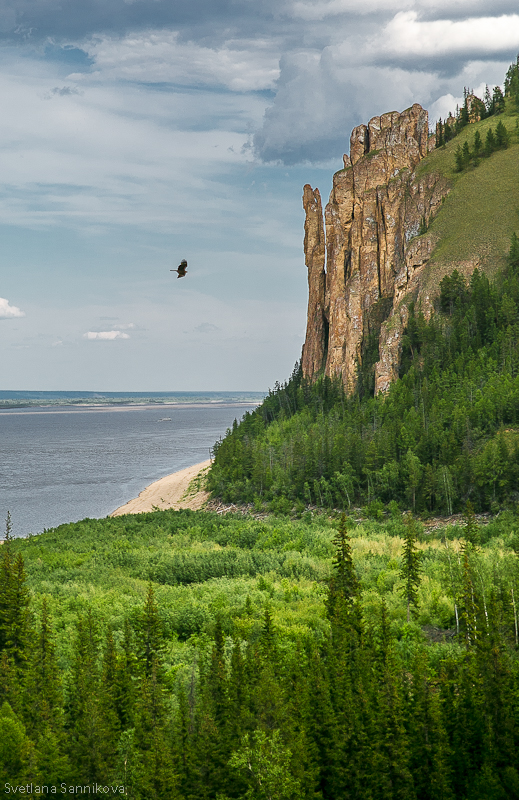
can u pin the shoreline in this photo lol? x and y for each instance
(70, 408)
(176, 491)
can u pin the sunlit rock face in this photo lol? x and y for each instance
(367, 255)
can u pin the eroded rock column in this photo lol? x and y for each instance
(315, 250)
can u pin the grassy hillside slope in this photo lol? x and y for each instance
(481, 212)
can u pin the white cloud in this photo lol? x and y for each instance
(407, 35)
(106, 335)
(159, 56)
(8, 311)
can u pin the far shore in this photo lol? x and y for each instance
(71, 408)
(182, 489)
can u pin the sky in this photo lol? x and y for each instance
(135, 133)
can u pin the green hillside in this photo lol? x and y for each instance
(481, 212)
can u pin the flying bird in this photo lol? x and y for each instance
(181, 269)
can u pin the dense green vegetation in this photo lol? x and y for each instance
(315, 667)
(444, 433)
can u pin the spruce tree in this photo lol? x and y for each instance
(44, 695)
(498, 101)
(478, 145)
(458, 159)
(410, 568)
(502, 136)
(84, 718)
(156, 779)
(469, 603)
(490, 142)
(126, 678)
(343, 587)
(6, 586)
(109, 698)
(513, 255)
(149, 635)
(488, 101)
(19, 622)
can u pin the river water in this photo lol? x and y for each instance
(62, 463)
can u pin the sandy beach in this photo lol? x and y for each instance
(179, 490)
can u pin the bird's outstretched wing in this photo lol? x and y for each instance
(181, 269)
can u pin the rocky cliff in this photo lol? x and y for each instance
(364, 259)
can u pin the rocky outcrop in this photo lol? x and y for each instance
(376, 246)
(314, 246)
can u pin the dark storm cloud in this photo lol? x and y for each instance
(71, 19)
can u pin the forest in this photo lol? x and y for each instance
(189, 655)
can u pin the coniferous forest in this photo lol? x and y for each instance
(189, 655)
(444, 434)
(350, 631)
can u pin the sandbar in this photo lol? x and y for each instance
(178, 490)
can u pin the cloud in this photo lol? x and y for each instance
(207, 327)
(406, 36)
(159, 56)
(63, 91)
(322, 96)
(378, 65)
(8, 311)
(332, 8)
(105, 335)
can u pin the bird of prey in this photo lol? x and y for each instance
(181, 269)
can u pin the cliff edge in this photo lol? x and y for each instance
(366, 256)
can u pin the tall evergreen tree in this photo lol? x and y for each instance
(410, 568)
(85, 723)
(156, 778)
(6, 586)
(343, 587)
(513, 255)
(126, 678)
(478, 145)
(502, 136)
(44, 695)
(490, 142)
(149, 635)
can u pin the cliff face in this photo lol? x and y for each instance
(368, 255)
